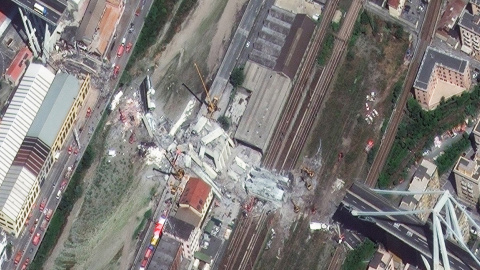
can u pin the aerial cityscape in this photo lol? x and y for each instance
(240, 134)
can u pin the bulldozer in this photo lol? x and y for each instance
(296, 209)
(307, 171)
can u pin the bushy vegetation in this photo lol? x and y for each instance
(445, 161)
(237, 77)
(418, 128)
(359, 258)
(224, 122)
(154, 22)
(183, 10)
(59, 219)
(326, 49)
(146, 216)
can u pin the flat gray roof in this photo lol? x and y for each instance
(165, 254)
(54, 109)
(435, 57)
(270, 91)
(470, 21)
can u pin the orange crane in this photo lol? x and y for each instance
(212, 104)
(178, 172)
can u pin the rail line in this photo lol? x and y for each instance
(289, 112)
(426, 34)
(296, 123)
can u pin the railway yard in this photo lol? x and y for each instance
(196, 169)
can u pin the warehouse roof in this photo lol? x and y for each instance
(14, 190)
(90, 20)
(295, 45)
(20, 113)
(164, 256)
(269, 94)
(32, 154)
(431, 59)
(55, 108)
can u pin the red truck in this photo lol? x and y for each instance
(25, 264)
(36, 239)
(116, 69)
(18, 257)
(120, 50)
(43, 203)
(49, 214)
(63, 184)
(43, 226)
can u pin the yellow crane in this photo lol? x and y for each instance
(178, 172)
(212, 104)
(308, 171)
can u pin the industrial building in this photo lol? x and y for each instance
(441, 76)
(33, 130)
(194, 202)
(425, 178)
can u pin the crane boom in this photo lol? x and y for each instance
(203, 83)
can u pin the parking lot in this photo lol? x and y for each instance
(414, 11)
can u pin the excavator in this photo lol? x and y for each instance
(296, 209)
(307, 171)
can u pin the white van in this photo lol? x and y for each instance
(58, 194)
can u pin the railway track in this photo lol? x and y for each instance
(292, 106)
(428, 29)
(298, 118)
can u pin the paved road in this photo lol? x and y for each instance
(426, 34)
(237, 44)
(51, 185)
(54, 9)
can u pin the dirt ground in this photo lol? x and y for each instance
(341, 127)
(114, 199)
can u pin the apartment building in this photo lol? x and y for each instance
(425, 178)
(382, 260)
(441, 76)
(185, 233)
(469, 25)
(476, 135)
(467, 179)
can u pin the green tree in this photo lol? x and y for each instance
(224, 122)
(237, 77)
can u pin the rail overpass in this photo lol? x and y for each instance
(407, 229)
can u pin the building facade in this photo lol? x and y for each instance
(467, 179)
(440, 77)
(194, 202)
(469, 25)
(395, 7)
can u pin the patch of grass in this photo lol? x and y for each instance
(140, 227)
(183, 10)
(326, 50)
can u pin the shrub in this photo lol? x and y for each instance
(237, 77)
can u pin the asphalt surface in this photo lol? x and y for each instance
(406, 228)
(54, 9)
(51, 185)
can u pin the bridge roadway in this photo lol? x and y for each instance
(361, 198)
(55, 8)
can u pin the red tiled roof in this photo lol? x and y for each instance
(393, 3)
(452, 11)
(19, 64)
(195, 194)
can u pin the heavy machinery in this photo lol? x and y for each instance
(296, 209)
(132, 138)
(212, 104)
(308, 184)
(178, 172)
(307, 171)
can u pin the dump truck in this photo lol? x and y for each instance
(18, 257)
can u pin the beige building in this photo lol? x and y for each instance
(425, 178)
(43, 106)
(469, 25)
(382, 260)
(467, 177)
(441, 75)
(395, 7)
(194, 202)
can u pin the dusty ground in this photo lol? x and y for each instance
(114, 200)
(340, 127)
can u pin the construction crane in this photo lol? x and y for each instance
(178, 172)
(308, 171)
(212, 104)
